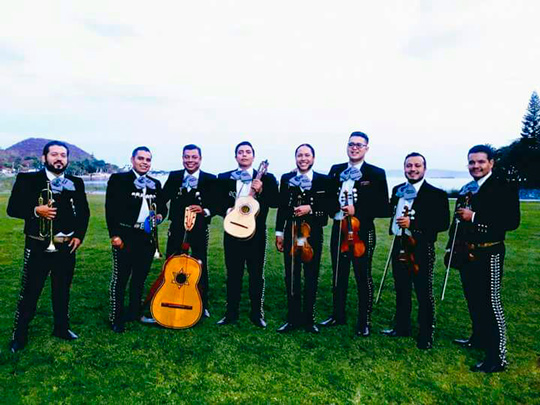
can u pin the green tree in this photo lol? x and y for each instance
(531, 119)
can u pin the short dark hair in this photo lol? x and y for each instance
(242, 144)
(358, 133)
(138, 148)
(413, 154)
(54, 143)
(306, 145)
(488, 150)
(192, 147)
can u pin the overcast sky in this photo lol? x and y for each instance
(429, 76)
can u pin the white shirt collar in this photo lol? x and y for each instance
(251, 171)
(195, 174)
(137, 175)
(51, 176)
(418, 184)
(483, 179)
(357, 165)
(309, 174)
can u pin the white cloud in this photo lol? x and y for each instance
(432, 76)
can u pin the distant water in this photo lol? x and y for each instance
(446, 183)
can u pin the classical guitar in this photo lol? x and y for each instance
(240, 222)
(177, 302)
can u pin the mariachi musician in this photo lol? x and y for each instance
(132, 211)
(55, 212)
(304, 206)
(193, 189)
(420, 212)
(367, 191)
(487, 208)
(241, 252)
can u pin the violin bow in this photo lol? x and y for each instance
(385, 270)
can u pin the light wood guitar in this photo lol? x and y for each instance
(240, 222)
(177, 302)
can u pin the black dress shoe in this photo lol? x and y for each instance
(258, 322)
(467, 343)
(286, 327)
(206, 313)
(363, 332)
(486, 367)
(65, 334)
(394, 333)
(118, 327)
(15, 345)
(312, 328)
(424, 344)
(226, 320)
(327, 323)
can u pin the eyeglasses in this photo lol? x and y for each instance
(357, 145)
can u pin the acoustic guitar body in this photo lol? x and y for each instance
(177, 303)
(240, 222)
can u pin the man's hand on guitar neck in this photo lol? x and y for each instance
(257, 186)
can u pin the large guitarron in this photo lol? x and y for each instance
(177, 303)
(240, 222)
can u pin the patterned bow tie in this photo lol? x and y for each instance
(301, 180)
(241, 175)
(406, 191)
(471, 187)
(61, 183)
(143, 181)
(190, 181)
(351, 173)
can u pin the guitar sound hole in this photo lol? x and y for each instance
(181, 278)
(245, 209)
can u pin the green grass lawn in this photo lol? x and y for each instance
(241, 363)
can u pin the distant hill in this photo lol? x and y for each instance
(26, 155)
(34, 147)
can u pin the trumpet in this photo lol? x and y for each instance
(153, 223)
(45, 224)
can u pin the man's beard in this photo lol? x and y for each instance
(414, 181)
(53, 169)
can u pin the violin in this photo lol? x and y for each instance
(350, 228)
(459, 251)
(408, 245)
(177, 303)
(300, 233)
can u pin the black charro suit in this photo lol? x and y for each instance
(431, 216)
(250, 253)
(72, 218)
(371, 203)
(496, 208)
(180, 198)
(320, 198)
(122, 206)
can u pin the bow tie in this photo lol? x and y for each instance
(190, 181)
(406, 191)
(241, 175)
(351, 173)
(143, 181)
(471, 187)
(301, 180)
(61, 183)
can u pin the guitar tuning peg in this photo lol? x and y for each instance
(412, 212)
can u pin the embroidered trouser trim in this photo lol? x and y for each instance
(37, 266)
(481, 281)
(362, 273)
(302, 312)
(132, 262)
(404, 279)
(238, 255)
